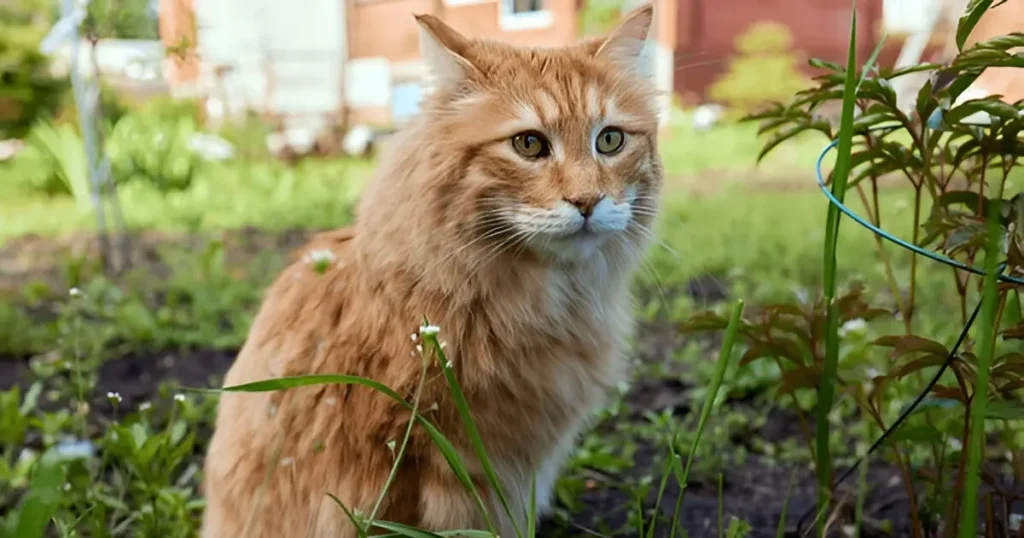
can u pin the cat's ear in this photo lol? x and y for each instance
(443, 50)
(627, 45)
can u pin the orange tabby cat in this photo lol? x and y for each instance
(511, 214)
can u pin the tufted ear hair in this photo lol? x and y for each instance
(444, 50)
(627, 46)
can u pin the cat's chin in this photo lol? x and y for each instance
(576, 248)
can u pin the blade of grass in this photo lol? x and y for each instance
(827, 385)
(724, 353)
(721, 506)
(360, 531)
(431, 342)
(43, 498)
(780, 531)
(986, 343)
(442, 442)
(670, 463)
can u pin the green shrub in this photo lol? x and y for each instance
(28, 91)
(763, 72)
(154, 149)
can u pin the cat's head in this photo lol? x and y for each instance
(555, 147)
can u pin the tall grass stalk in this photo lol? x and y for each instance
(827, 386)
(986, 343)
(724, 353)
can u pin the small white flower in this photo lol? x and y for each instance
(320, 259)
(413, 337)
(145, 406)
(430, 330)
(114, 397)
(448, 364)
(419, 348)
(180, 398)
(854, 326)
(75, 292)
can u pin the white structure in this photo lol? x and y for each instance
(273, 56)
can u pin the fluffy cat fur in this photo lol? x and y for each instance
(492, 246)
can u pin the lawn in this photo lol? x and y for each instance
(99, 371)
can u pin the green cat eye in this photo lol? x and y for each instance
(531, 144)
(610, 140)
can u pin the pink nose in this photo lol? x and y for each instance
(585, 203)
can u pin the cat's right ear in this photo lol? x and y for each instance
(443, 50)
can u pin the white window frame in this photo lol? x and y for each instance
(530, 20)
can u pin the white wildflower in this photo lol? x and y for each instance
(419, 348)
(67, 486)
(430, 330)
(114, 397)
(854, 326)
(75, 292)
(211, 147)
(413, 337)
(320, 259)
(145, 406)
(180, 398)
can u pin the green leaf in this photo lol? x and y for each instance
(905, 344)
(971, 199)
(1004, 410)
(992, 106)
(909, 69)
(787, 133)
(919, 364)
(781, 347)
(824, 64)
(919, 433)
(867, 121)
(1003, 42)
(43, 497)
(975, 10)
(802, 377)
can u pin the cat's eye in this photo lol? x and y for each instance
(610, 140)
(531, 144)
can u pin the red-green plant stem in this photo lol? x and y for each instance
(890, 275)
(986, 343)
(912, 292)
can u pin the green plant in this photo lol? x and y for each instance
(28, 92)
(153, 148)
(763, 71)
(54, 162)
(961, 168)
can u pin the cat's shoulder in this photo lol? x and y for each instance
(334, 241)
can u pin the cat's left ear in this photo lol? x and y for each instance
(627, 45)
(444, 50)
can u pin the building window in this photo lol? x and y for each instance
(524, 15)
(525, 6)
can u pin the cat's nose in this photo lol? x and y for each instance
(585, 203)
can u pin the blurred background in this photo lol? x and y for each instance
(159, 159)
